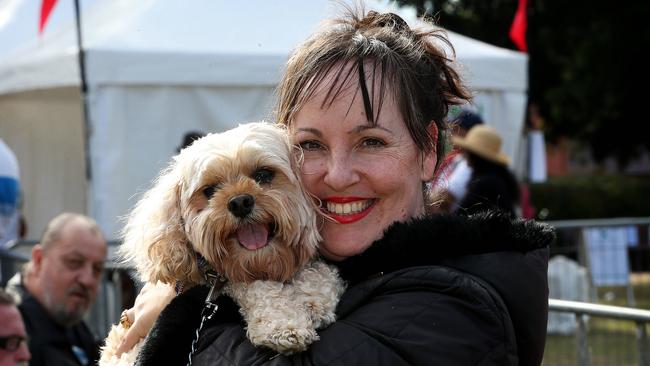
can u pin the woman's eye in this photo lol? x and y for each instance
(373, 142)
(208, 191)
(310, 145)
(263, 175)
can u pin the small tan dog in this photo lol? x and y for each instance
(235, 198)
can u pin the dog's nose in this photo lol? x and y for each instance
(241, 205)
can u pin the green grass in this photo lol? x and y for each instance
(605, 348)
(611, 342)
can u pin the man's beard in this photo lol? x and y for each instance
(59, 313)
(66, 318)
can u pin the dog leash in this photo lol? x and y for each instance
(216, 283)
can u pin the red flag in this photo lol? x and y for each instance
(518, 27)
(46, 9)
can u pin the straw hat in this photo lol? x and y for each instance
(485, 142)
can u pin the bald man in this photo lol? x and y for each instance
(57, 288)
(13, 349)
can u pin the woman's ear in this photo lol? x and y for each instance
(430, 159)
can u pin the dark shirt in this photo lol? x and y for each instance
(489, 191)
(49, 343)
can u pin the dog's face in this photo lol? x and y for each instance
(236, 199)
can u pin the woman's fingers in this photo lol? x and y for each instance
(151, 300)
(132, 337)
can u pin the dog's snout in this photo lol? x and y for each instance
(241, 205)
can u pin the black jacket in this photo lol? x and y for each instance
(490, 190)
(445, 290)
(49, 343)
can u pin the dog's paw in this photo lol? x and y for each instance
(318, 288)
(321, 316)
(287, 340)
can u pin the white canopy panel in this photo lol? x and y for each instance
(159, 68)
(209, 42)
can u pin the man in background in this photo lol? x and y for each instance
(13, 349)
(57, 288)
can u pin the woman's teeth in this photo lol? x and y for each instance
(348, 208)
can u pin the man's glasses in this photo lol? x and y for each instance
(12, 342)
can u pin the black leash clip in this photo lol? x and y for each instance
(216, 283)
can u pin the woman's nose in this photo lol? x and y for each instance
(341, 172)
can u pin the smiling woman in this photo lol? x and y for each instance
(367, 173)
(364, 100)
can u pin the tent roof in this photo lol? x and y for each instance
(207, 42)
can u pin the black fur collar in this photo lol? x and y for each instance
(432, 239)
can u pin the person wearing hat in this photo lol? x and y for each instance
(492, 186)
(450, 185)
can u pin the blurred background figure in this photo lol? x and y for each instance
(492, 186)
(56, 289)
(188, 139)
(450, 184)
(536, 146)
(9, 195)
(13, 346)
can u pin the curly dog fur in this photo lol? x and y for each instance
(236, 199)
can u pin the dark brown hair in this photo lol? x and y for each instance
(407, 62)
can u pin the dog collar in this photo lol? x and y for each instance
(209, 274)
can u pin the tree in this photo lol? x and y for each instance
(586, 67)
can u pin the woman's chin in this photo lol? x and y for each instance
(342, 248)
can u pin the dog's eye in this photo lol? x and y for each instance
(263, 175)
(208, 191)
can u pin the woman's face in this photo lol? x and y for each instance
(366, 176)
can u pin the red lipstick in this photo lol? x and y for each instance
(351, 217)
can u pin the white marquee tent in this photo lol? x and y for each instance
(159, 68)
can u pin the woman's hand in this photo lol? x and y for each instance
(151, 300)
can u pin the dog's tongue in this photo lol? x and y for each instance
(253, 236)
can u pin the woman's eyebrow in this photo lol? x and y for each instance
(361, 128)
(310, 130)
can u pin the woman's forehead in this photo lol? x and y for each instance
(343, 75)
(341, 82)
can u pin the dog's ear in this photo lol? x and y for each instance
(154, 237)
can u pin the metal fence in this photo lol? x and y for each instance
(608, 264)
(581, 310)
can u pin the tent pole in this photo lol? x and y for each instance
(84, 91)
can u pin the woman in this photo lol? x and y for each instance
(491, 186)
(365, 99)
